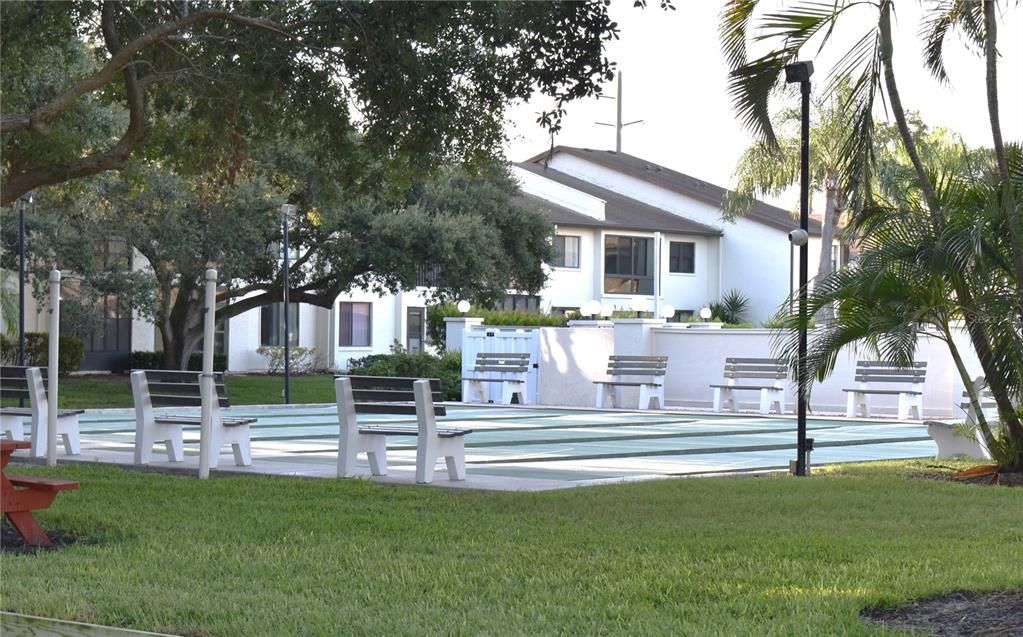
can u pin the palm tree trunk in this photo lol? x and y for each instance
(900, 114)
(982, 423)
(830, 222)
(991, 60)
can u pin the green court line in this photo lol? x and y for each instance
(702, 451)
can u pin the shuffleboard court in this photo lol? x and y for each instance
(515, 447)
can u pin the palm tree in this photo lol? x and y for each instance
(769, 170)
(902, 283)
(870, 65)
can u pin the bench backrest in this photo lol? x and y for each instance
(881, 372)
(773, 369)
(620, 365)
(179, 389)
(14, 381)
(502, 362)
(391, 395)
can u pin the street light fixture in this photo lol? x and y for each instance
(800, 72)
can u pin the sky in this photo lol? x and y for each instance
(675, 80)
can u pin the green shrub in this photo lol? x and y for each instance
(154, 360)
(447, 367)
(435, 315)
(37, 351)
(732, 307)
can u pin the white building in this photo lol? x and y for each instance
(624, 228)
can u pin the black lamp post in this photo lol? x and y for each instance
(800, 72)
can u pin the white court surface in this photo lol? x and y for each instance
(533, 448)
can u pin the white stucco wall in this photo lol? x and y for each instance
(570, 359)
(754, 257)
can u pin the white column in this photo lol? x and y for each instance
(209, 318)
(53, 370)
(657, 275)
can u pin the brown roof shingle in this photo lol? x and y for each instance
(674, 181)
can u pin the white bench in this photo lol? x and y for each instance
(953, 443)
(385, 395)
(160, 388)
(29, 382)
(645, 372)
(905, 382)
(767, 376)
(510, 369)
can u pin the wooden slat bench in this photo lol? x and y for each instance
(510, 369)
(645, 372)
(21, 495)
(884, 379)
(764, 375)
(154, 388)
(387, 395)
(31, 383)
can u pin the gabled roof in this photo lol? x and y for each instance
(620, 212)
(674, 181)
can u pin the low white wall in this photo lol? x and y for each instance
(570, 359)
(696, 358)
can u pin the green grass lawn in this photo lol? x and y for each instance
(114, 390)
(713, 556)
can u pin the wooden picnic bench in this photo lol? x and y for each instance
(31, 383)
(764, 375)
(21, 495)
(885, 379)
(645, 372)
(389, 395)
(155, 388)
(511, 369)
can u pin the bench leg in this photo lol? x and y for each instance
(856, 406)
(72, 442)
(27, 526)
(175, 446)
(242, 453)
(910, 403)
(472, 392)
(13, 427)
(650, 397)
(376, 454)
(769, 399)
(724, 398)
(600, 397)
(454, 456)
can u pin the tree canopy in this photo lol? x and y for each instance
(389, 89)
(461, 229)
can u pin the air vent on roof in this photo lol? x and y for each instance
(646, 166)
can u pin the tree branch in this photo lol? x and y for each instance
(40, 118)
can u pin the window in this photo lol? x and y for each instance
(566, 250)
(681, 257)
(519, 302)
(628, 265)
(271, 325)
(356, 325)
(415, 329)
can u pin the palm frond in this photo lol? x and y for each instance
(943, 18)
(752, 82)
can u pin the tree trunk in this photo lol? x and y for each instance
(830, 223)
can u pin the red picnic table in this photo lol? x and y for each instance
(20, 495)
